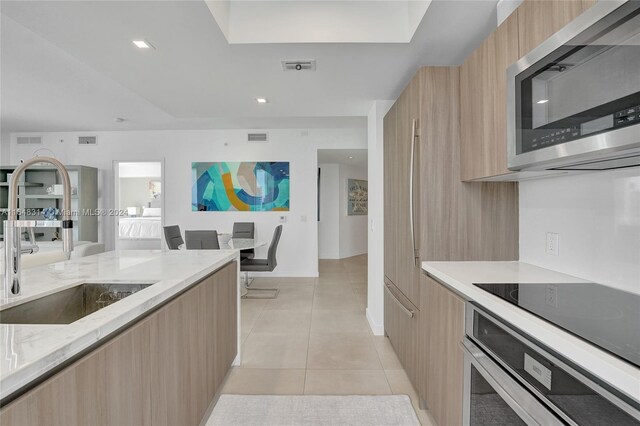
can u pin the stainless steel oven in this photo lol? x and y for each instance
(510, 379)
(574, 101)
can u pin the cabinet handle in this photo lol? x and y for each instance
(408, 312)
(416, 252)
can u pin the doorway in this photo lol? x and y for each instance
(139, 205)
(342, 203)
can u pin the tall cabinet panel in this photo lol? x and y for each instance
(390, 195)
(439, 164)
(452, 221)
(408, 190)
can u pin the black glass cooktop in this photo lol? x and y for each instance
(604, 316)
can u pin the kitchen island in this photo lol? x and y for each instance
(125, 362)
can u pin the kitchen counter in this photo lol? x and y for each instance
(460, 276)
(28, 352)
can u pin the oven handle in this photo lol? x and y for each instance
(530, 410)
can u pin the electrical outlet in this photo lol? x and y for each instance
(551, 295)
(283, 219)
(553, 242)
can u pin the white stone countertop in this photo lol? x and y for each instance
(29, 351)
(460, 276)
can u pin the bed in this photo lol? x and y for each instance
(143, 232)
(135, 228)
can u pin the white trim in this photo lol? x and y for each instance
(376, 329)
(237, 360)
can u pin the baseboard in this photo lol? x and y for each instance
(377, 329)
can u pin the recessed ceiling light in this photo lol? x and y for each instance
(350, 158)
(262, 100)
(142, 44)
(543, 101)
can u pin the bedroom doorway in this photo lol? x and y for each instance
(139, 203)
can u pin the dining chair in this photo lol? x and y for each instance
(173, 237)
(264, 265)
(244, 230)
(202, 240)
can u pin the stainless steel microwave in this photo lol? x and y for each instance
(574, 101)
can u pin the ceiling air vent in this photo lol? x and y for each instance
(258, 137)
(302, 65)
(88, 140)
(29, 140)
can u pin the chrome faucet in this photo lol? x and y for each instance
(13, 226)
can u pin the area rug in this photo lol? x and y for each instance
(281, 410)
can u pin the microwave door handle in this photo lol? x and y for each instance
(512, 393)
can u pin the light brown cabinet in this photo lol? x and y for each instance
(401, 326)
(453, 220)
(408, 222)
(165, 369)
(483, 83)
(483, 105)
(390, 195)
(109, 386)
(441, 358)
(539, 20)
(177, 361)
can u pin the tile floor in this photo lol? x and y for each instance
(314, 339)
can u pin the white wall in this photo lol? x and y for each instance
(298, 251)
(140, 170)
(5, 145)
(329, 225)
(598, 218)
(134, 192)
(353, 229)
(375, 285)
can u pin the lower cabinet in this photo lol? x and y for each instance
(163, 370)
(401, 326)
(440, 356)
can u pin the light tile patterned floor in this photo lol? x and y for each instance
(314, 339)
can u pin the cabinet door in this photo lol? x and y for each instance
(539, 20)
(226, 319)
(110, 386)
(483, 103)
(178, 366)
(474, 88)
(390, 195)
(441, 207)
(401, 326)
(440, 357)
(408, 110)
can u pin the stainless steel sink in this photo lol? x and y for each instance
(67, 306)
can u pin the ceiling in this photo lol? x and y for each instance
(318, 21)
(351, 157)
(71, 65)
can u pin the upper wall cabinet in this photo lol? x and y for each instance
(539, 19)
(483, 93)
(483, 83)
